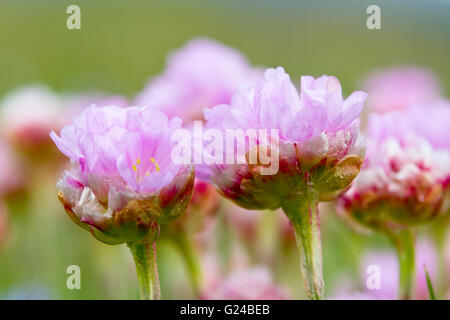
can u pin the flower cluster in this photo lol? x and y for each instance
(319, 140)
(202, 74)
(122, 182)
(406, 171)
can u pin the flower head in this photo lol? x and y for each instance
(122, 183)
(406, 171)
(400, 88)
(316, 142)
(28, 114)
(202, 74)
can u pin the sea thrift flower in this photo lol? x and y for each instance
(403, 180)
(28, 114)
(122, 184)
(400, 88)
(202, 74)
(247, 284)
(317, 146)
(406, 170)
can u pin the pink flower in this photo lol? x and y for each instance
(387, 264)
(318, 133)
(122, 182)
(406, 171)
(202, 74)
(246, 284)
(28, 114)
(400, 88)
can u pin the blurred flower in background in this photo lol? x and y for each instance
(387, 263)
(27, 115)
(250, 283)
(400, 88)
(202, 74)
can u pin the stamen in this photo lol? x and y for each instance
(156, 163)
(138, 161)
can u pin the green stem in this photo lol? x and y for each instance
(404, 243)
(144, 256)
(192, 261)
(304, 216)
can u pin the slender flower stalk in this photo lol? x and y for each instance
(310, 151)
(192, 261)
(122, 184)
(391, 284)
(403, 241)
(147, 270)
(304, 216)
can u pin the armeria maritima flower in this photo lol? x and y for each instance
(122, 183)
(404, 179)
(315, 147)
(202, 74)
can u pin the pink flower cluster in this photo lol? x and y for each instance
(120, 164)
(407, 167)
(317, 129)
(202, 74)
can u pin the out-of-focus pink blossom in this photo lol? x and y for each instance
(400, 88)
(318, 132)
(28, 114)
(122, 181)
(11, 172)
(246, 284)
(202, 74)
(387, 263)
